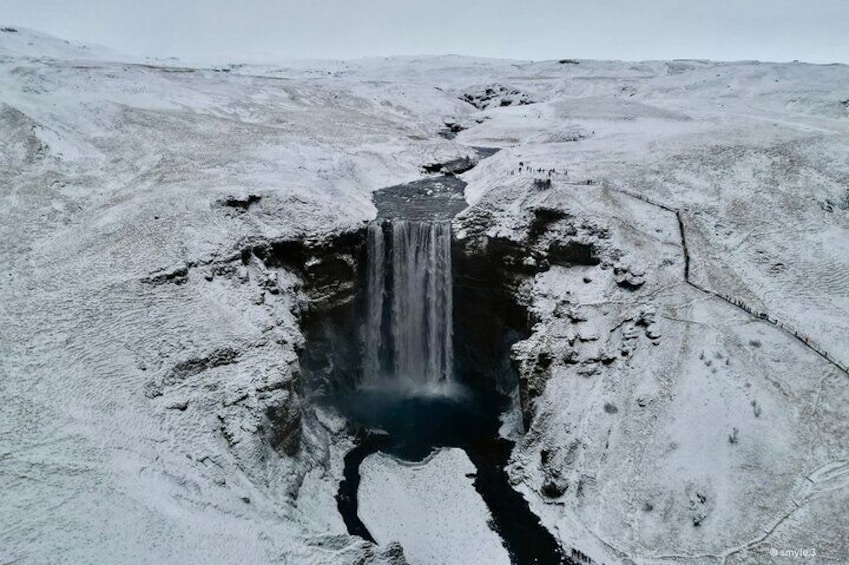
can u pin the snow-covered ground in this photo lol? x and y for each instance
(140, 361)
(431, 508)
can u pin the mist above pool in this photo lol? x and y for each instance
(412, 421)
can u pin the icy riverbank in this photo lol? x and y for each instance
(431, 508)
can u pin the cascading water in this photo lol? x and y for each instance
(409, 323)
(376, 252)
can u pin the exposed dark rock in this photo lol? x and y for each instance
(628, 279)
(496, 95)
(286, 425)
(569, 62)
(487, 309)
(652, 332)
(551, 462)
(543, 218)
(329, 266)
(332, 273)
(196, 365)
(451, 129)
(777, 269)
(8, 29)
(554, 489)
(699, 508)
(587, 369)
(20, 133)
(570, 135)
(571, 357)
(453, 167)
(572, 252)
(580, 558)
(493, 265)
(175, 275)
(152, 389)
(391, 554)
(533, 375)
(240, 202)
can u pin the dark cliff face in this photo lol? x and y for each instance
(493, 295)
(333, 275)
(329, 267)
(326, 299)
(489, 316)
(487, 319)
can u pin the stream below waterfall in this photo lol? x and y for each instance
(412, 426)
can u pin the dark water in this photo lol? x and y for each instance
(410, 424)
(428, 199)
(416, 421)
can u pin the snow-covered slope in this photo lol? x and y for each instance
(140, 361)
(24, 43)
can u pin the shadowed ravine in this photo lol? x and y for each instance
(415, 425)
(414, 396)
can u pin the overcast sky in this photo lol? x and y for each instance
(232, 30)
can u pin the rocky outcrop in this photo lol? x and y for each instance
(328, 266)
(175, 275)
(451, 129)
(331, 274)
(240, 202)
(452, 167)
(258, 390)
(494, 267)
(496, 96)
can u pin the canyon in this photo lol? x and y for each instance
(618, 292)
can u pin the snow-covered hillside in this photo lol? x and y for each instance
(145, 369)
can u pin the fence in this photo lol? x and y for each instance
(739, 303)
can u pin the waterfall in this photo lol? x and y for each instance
(408, 324)
(376, 250)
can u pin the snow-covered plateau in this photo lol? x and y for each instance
(676, 231)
